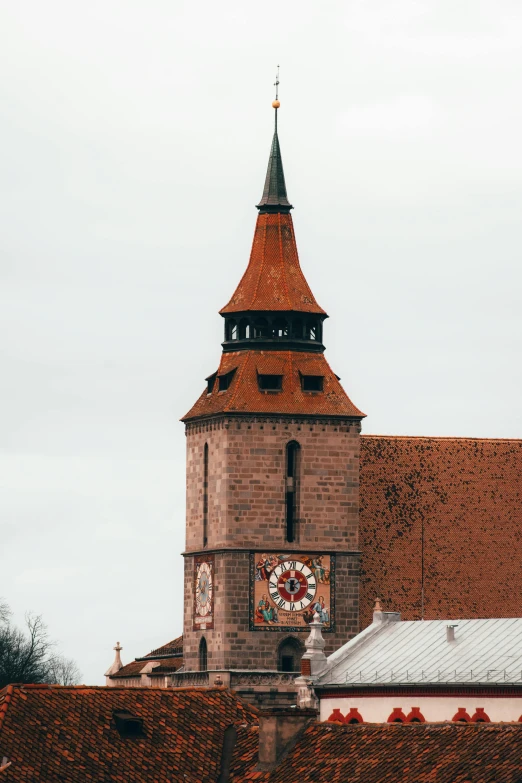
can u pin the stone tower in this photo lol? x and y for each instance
(272, 471)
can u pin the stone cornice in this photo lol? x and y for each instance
(220, 421)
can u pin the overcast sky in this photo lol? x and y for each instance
(134, 141)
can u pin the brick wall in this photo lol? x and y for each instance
(231, 644)
(246, 486)
(246, 511)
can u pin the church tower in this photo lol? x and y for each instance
(272, 470)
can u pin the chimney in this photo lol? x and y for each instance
(279, 730)
(384, 617)
(450, 632)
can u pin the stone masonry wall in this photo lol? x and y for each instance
(246, 486)
(231, 644)
(246, 511)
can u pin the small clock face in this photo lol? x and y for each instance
(204, 589)
(292, 585)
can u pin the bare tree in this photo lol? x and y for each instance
(63, 671)
(28, 655)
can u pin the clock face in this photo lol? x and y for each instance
(292, 585)
(204, 589)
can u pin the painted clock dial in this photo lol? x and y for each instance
(203, 617)
(204, 589)
(292, 585)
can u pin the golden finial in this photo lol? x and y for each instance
(276, 104)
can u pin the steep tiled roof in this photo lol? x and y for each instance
(463, 498)
(273, 279)
(134, 668)
(52, 733)
(131, 669)
(244, 395)
(170, 648)
(394, 753)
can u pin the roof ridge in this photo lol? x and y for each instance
(237, 383)
(442, 437)
(283, 268)
(9, 690)
(261, 267)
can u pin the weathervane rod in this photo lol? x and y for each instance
(276, 103)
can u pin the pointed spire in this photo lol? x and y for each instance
(274, 198)
(117, 664)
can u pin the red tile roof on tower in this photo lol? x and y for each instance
(462, 497)
(244, 395)
(273, 280)
(55, 733)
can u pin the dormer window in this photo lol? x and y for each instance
(225, 380)
(127, 724)
(210, 382)
(272, 383)
(312, 383)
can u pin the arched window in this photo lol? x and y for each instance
(242, 332)
(292, 488)
(205, 495)
(289, 654)
(230, 329)
(262, 329)
(461, 716)
(353, 716)
(297, 329)
(280, 328)
(397, 716)
(480, 716)
(203, 655)
(336, 716)
(415, 716)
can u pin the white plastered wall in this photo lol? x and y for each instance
(377, 709)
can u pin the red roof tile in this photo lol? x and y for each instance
(244, 395)
(51, 733)
(167, 649)
(134, 668)
(410, 753)
(463, 496)
(273, 279)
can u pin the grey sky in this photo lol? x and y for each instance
(134, 142)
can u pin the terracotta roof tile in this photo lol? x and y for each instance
(273, 279)
(52, 733)
(134, 668)
(244, 395)
(464, 497)
(394, 753)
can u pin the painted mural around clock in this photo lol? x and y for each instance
(203, 587)
(286, 589)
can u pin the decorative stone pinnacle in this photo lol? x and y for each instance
(377, 607)
(315, 646)
(306, 698)
(117, 664)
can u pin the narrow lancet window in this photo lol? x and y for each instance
(205, 495)
(203, 655)
(292, 487)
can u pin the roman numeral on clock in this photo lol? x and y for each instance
(275, 595)
(309, 596)
(281, 603)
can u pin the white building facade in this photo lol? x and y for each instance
(424, 671)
